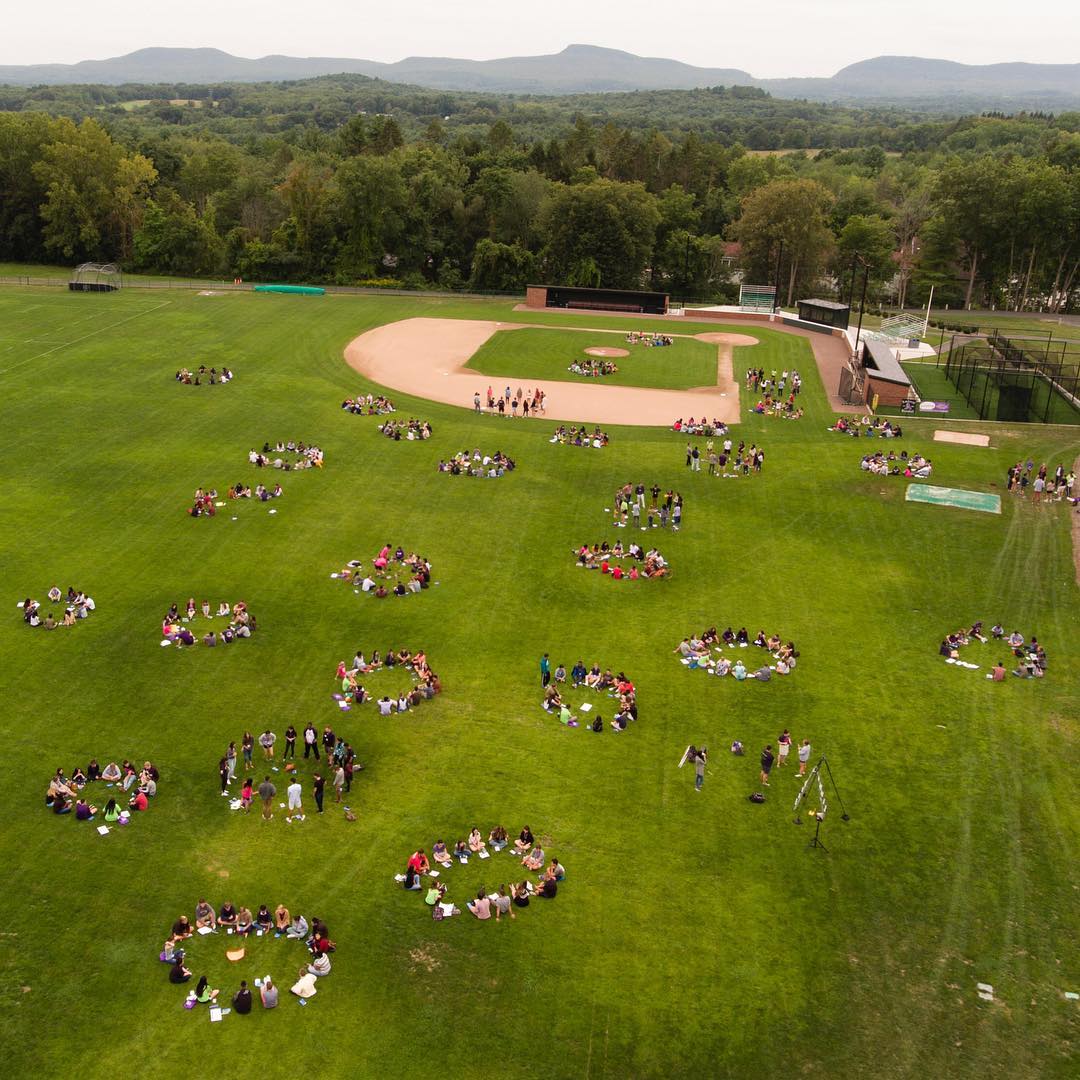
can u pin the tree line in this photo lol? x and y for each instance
(295, 182)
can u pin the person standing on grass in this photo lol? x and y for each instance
(1038, 487)
(296, 808)
(783, 747)
(247, 748)
(545, 670)
(804, 756)
(267, 791)
(318, 784)
(290, 743)
(339, 782)
(476, 401)
(230, 757)
(700, 760)
(695, 463)
(223, 772)
(767, 759)
(311, 740)
(266, 741)
(329, 741)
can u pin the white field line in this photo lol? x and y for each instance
(92, 333)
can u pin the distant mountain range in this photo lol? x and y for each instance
(590, 69)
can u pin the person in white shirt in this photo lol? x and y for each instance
(296, 808)
(386, 706)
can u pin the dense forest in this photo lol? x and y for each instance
(348, 180)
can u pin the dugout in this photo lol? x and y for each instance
(884, 375)
(826, 312)
(95, 277)
(567, 296)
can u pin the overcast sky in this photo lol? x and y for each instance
(784, 37)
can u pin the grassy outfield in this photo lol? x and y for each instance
(696, 934)
(547, 354)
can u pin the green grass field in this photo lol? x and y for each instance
(547, 354)
(696, 934)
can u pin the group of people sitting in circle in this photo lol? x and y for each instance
(353, 691)
(604, 556)
(700, 427)
(893, 464)
(778, 406)
(477, 464)
(307, 457)
(510, 404)
(206, 502)
(603, 682)
(638, 337)
(211, 376)
(410, 430)
(593, 367)
(371, 405)
(1030, 655)
(77, 605)
(868, 427)
(580, 436)
(175, 628)
(498, 904)
(241, 923)
(628, 505)
(696, 652)
(772, 385)
(410, 573)
(66, 795)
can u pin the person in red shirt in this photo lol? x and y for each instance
(139, 802)
(419, 862)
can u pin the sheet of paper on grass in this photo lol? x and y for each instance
(484, 855)
(586, 707)
(103, 830)
(204, 930)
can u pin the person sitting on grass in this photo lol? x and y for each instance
(203, 994)
(441, 854)
(566, 717)
(264, 921)
(244, 922)
(298, 931)
(461, 851)
(476, 841)
(84, 811)
(204, 915)
(578, 674)
(268, 994)
(112, 811)
(520, 894)
(739, 671)
(227, 916)
(304, 987)
(320, 965)
(177, 972)
(502, 904)
(548, 888)
(481, 906)
(282, 919)
(555, 870)
(139, 801)
(497, 838)
(592, 680)
(524, 843)
(436, 892)
(535, 859)
(412, 882)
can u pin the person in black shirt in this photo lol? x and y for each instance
(242, 998)
(766, 764)
(317, 785)
(178, 973)
(290, 743)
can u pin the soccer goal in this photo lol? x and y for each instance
(95, 277)
(758, 298)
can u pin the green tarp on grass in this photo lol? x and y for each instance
(295, 290)
(943, 496)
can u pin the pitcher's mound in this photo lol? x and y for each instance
(963, 437)
(600, 350)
